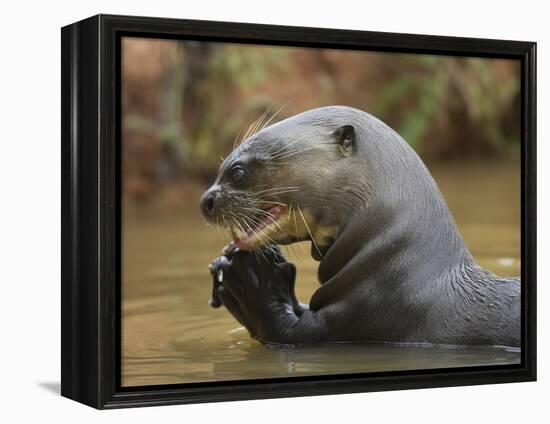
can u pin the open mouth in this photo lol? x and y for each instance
(262, 230)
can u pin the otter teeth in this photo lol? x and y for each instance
(246, 242)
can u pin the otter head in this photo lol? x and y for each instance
(293, 181)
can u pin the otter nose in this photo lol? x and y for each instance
(208, 204)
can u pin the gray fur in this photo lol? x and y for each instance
(398, 269)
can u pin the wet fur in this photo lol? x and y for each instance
(397, 268)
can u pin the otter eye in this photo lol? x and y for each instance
(238, 174)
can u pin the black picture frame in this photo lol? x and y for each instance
(91, 218)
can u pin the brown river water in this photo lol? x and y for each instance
(171, 335)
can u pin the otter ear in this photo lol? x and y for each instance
(345, 136)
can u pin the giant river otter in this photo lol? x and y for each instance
(393, 265)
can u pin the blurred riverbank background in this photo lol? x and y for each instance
(183, 105)
(185, 102)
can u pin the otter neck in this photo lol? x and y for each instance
(405, 226)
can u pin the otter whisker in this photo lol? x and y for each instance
(285, 152)
(239, 225)
(282, 153)
(257, 251)
(218, 230)
(286, 155)
(274, 194)
(255, 230)
(257, 222)
(276, 188)
(258, 186)
(237, 218)
(255, 234)
(224, 221)
(249, 130)
(268, 215)
(290, 214)
(274, 115)
(235, 142)
(259, 122)
(222, 232)
(254, 126)
(271, 202)
(291, 143)
(311, 235)
(296, 229)
(268, 197)
(246, 134)
(264, 234)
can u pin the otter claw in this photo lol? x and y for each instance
(217, 275)
(215, 302)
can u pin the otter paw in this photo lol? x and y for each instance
(253, 290)
(216, 271)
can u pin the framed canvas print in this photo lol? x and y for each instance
(253, 211)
